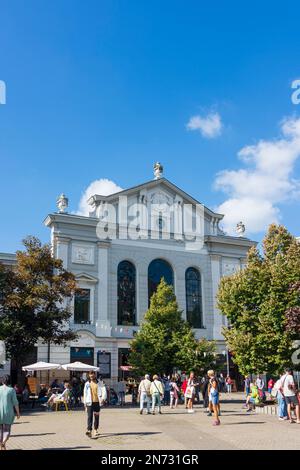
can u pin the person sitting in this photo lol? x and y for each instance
(254, 398)
(64, 396)
(43, 394)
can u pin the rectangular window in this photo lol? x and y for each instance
(85, 355)
(82, 306)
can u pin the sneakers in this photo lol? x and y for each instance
(209, 413)
(190, 410)
(216, 423)
(96, 433)
(88, 433)
(141, 412)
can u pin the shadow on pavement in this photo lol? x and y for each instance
(113, 434)
(65, 448)
(32, 435)
(245, 422)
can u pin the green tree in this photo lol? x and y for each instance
(255, 301)
(34, 300)
(165, 341)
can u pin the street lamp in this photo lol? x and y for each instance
(226, 354)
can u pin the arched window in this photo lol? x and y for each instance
(126, 293)
(157, 269)
(193, 298)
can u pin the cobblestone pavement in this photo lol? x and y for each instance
(123, 429)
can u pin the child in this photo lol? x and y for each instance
(214, 399)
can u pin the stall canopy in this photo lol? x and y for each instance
(79, 366)
(41, 366)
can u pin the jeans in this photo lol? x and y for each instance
(145, 398)
(229, 386)
(282, 409)
(93, 412)
(167, 397)
(121, 397)
(156, 401)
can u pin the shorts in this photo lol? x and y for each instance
(293, 399)
(214, 400)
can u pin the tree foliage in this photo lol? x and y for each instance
(34, 300)
(166, 341)
(255, 301)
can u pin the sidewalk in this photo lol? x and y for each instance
(125, 429)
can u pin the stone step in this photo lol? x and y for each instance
(267, 409)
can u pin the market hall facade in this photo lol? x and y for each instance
(117, 275)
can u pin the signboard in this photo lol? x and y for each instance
(104, 364)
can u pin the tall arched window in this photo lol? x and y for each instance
(193, 297)
(157, 269)
(126, 293)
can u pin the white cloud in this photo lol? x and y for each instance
(254, 192)
(209, 126)
(103, 187)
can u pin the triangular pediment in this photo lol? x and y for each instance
(153, 189)
(85, 277)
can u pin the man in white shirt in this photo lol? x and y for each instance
(144, 394)
(288, 389)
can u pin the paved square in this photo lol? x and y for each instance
(124, 429)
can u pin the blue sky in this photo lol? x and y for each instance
(103, 89)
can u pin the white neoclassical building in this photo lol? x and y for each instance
(120, 252)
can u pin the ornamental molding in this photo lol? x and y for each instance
(83, 254)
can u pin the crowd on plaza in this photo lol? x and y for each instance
(152, 393)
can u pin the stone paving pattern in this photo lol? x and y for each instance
(124, 429)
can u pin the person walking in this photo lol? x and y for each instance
(157, 392)
(228, 382)
(9, 406)
(94, 395)
(190, 392)
(174, 390)
(288, 390)
(183, 389)
(121, 392)
(214, 400)
(144, 394)
(247, 383)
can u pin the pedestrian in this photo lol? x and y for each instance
(281, 408)
(222, 383)
(261, 386)
(288, 390)
(270, 385)
(157, 392)
(205, 392)
(228, 382)
(214, 400)
(144, 394)
(190, 392)
(94, 395)
(167, 388)
(183, 389)
(174, 390)
(9, 406)
(247, 383)
(121, 392)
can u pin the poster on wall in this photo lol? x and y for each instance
(104, 364)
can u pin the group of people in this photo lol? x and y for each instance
(160, 390)
(168, 389)
(284, 390)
